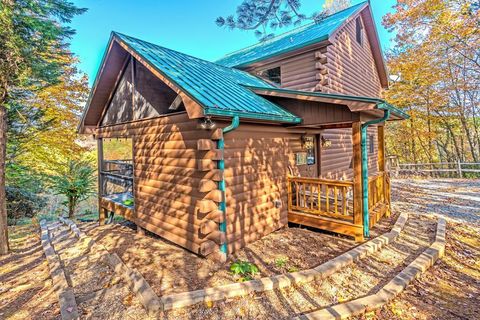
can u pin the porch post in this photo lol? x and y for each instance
(101, 212)
(382, 167)
(357, 173)
(381, 148)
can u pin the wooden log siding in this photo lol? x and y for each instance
(167, 179)
(297, 72)
(351, 66)
(257, 158)
(336, 161)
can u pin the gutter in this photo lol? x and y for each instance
(364, 127)
(221, 184)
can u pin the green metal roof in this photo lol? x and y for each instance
(220, 90)
(381, 104)
(289, 41)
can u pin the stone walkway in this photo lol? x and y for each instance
(100, 293)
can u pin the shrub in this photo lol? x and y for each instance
(22, 203)
(244, 269)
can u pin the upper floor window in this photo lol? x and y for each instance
(274, 75)
(358, 30)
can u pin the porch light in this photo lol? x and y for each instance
(207, 123)
(307, 142)
(326, 143)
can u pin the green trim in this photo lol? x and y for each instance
(251, 115)
(381, 104)
(222, 185)
(363, 131)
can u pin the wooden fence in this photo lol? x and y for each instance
(438, 169)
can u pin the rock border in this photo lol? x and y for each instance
(392, 288)
(66, 297)
(134, 279)
(184, 299)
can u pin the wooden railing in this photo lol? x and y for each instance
(376, 190)
(322, 197)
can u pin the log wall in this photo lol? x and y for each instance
(168, 173)
(351, 66)
(336, 162)
(257, 160)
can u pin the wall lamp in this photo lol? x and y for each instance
(207, 123)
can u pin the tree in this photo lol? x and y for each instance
(332, 6)
(438, 62)
(76, 183)
(33, 48)
(264, 16)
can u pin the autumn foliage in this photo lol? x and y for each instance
(435, 71)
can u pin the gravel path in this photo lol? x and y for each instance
(455, 199)
(99, 292)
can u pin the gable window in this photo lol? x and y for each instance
(273, 75)
(358, 30)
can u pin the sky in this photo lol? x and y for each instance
(184, 25)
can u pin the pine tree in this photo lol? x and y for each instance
(33, 51)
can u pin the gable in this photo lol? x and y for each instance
(205, 88)
(351, 64)
(306, 40)
(298, 38)
(138, 95)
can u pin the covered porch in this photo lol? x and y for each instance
(353, 199)
(337, 204)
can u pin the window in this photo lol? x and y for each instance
(117, 171)
(371, 144)
(359, 29)
(273, 75)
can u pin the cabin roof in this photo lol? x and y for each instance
(354, 103)
(219, 90)
(290, 41)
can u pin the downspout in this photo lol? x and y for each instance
(221, 183)
(364, 127)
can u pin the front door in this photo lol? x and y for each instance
(307, 159)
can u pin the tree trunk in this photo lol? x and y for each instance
(3, 205)
(71, 206)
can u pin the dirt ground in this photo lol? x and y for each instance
(451, 288)
(25, 285)
(448, 290)
(171, 269)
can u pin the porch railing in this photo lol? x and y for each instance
(321, 197)
(335, 199)
(376, 190)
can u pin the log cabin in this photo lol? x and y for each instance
(214, 155)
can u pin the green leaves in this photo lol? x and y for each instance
(77, 183)
(244, 269)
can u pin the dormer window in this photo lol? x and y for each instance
(273, 75)
(358, 29)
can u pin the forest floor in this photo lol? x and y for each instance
(448, 290)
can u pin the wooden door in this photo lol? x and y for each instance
(307, 159)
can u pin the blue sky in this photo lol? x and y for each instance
(187, 26)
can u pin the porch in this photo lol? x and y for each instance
(336, 204)
(333, 205)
